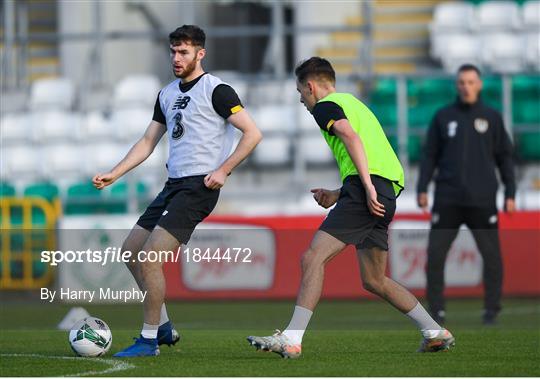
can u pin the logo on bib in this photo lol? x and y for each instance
(178, 129)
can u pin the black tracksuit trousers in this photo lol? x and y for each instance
(483, 223)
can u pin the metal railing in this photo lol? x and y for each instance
(22, 238)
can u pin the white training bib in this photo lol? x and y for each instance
(200, 140)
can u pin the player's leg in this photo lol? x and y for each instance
(134, 243)
(322, 249)
(153, 282)
(153, 279)
(483, 223)
(373, 263)
(167, 334)
(445, 223)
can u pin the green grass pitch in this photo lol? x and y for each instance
(346, 338)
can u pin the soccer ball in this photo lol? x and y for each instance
(90, 337)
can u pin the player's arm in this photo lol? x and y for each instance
(332, 120)
(505, 163)
(355, 147)
(136, 155)
(428, 163)
(227, 104)
(324, 197)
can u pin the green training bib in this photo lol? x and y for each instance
(382, 160)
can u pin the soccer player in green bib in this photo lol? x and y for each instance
(372, 179)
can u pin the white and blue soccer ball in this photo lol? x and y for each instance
(90, 337)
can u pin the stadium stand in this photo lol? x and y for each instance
(15, 128)
(52, 94)
(273, 151)
(503, 52)
(532, 50)
(130, 123)
(53, 134)
(531, 15)
(95, 127)
(62, 159)
(136, 90)
(497, 16)
(52, 125)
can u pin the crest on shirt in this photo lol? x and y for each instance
(481, 125)
(178, 128)
(452, 128)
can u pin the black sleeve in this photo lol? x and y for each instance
(158, 113)
(504, 159)
(226, 101)
(429, 156)
(326, 114)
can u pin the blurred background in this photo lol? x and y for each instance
(80, 79)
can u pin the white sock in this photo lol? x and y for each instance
(163, 317)
(149, 331)
(428, 327)
(299, 322)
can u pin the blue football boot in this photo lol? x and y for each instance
(143, 347)
(167, 334)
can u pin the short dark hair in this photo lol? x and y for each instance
(315, 67)
(189, 34)
(469, 67)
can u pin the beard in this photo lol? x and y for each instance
(188, 70)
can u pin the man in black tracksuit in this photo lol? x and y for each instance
(465, 142)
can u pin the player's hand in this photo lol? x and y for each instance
(325, 198)
(509, 205)
(422, 201)
(374, 206)
(101, 181)
(215, 180)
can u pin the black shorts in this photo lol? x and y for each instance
(350, 220)
(180, 206)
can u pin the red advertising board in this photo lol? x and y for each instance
(278, 244)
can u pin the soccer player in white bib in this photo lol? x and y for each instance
(199, 113)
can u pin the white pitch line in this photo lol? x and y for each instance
(115, 365)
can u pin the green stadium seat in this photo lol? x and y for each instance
(492, 92)
(384, 92)
(119, 195)
(383, 102)
(426, 97)
(434, 91)
(84, 198)
(386, 114)
(528, 144)
(46, 190)
(526, 99)
(422, 115)
(121, 190)
(7, 189)
(414, 147)
(525, 87)
(526, 112)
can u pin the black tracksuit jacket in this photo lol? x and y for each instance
(465, 143)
